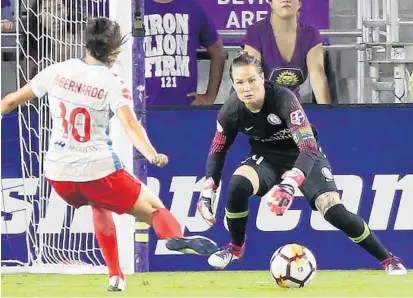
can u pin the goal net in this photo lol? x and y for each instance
(59, 239)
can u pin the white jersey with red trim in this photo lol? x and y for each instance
(82, 99)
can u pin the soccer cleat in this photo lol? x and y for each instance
(393, 266)
(226, 255)
(204, 207)
(192, 245)
(116, 284)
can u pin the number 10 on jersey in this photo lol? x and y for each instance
(70, 125)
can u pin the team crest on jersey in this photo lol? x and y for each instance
(274, 119)
(297, 117)
(327, 173)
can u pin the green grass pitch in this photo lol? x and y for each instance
(374, 283)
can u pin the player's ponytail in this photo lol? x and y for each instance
(103, 38)
(245, 59)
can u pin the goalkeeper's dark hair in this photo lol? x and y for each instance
(245, 59)
(103, 38)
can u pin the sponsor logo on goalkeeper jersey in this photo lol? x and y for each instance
(277, 136)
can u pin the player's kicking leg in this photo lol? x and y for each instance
(118, 192)
(151, 210)
(357, 230)
(148, 208)
(243, 184)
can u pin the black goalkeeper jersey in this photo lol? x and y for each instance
(280, 127)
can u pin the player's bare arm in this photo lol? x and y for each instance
(318, 78)
(139, 137)
(14, 99)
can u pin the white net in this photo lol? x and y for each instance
(59, 238)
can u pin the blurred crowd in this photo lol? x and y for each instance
(186, 60)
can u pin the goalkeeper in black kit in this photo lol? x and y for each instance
(284, 155)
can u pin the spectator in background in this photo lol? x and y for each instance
(52, 33)
(6, 17)
(7, 26)
(289, 50)
(174, 30)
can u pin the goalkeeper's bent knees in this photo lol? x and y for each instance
(250, 174)
(236, 211)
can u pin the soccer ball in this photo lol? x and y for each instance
(293, 266)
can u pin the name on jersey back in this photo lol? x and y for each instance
(79, 88)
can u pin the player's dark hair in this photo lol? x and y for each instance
(245, 59)
(103, 38)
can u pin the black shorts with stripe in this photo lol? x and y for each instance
(271, 166)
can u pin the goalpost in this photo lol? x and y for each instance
(60, 239)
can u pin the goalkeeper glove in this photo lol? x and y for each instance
(280, 197)
(206, 201)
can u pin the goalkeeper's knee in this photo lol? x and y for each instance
(239, 191)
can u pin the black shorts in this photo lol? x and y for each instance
(270, 168)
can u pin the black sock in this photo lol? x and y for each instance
(236, 211)
(357, 230)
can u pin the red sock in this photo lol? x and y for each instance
(165, 224)
(106, 235)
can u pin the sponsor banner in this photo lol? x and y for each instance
(370, 153)
(239, 14)
(369, 150)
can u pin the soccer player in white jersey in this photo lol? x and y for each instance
(80, 163)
